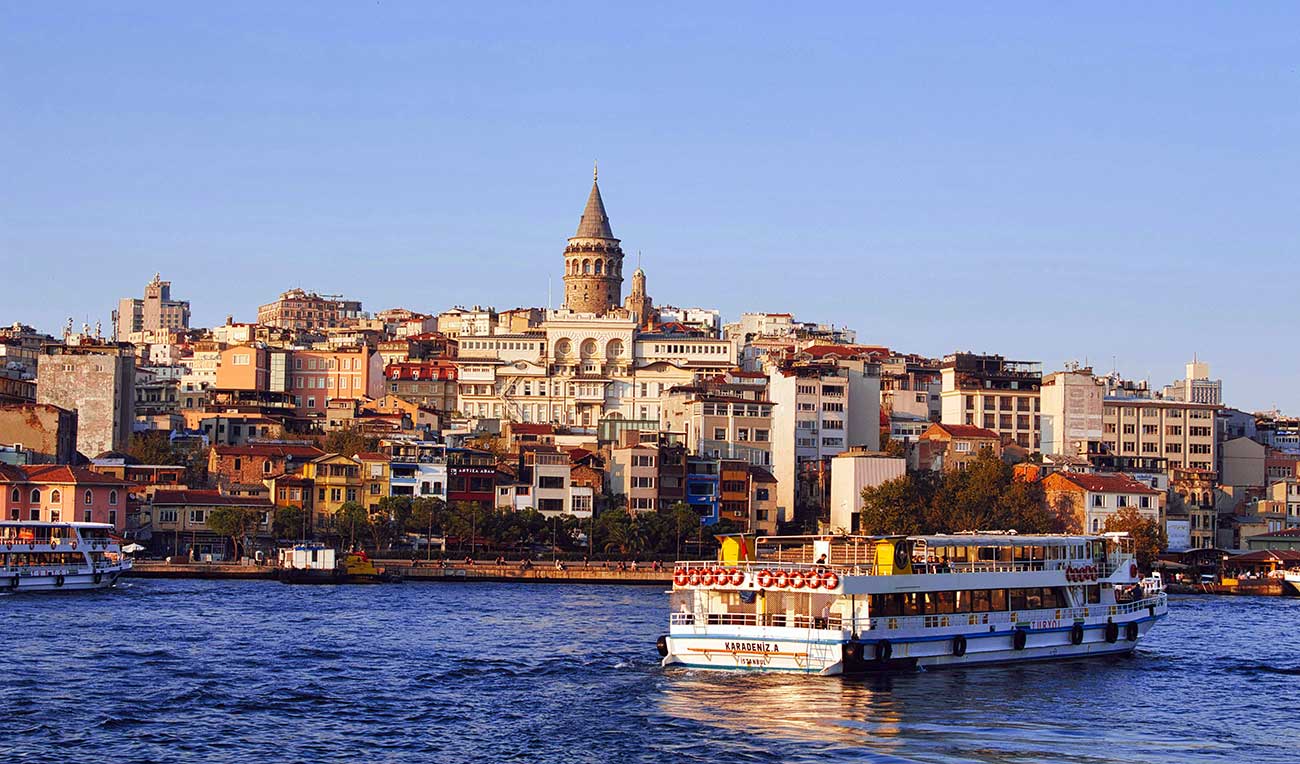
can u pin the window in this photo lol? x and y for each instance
(90, 496)
(112, 497)
(112, 517)
(643, 482)
(36, 514)
(1098, 500)
(238, 463)
(56, 497)
(719, 433)
(760, 436)
(167, 515)
(197, 515)
(15, 495)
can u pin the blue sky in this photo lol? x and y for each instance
(1050, 183)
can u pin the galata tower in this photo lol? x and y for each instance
(593, 261)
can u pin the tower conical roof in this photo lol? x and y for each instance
(594, 223)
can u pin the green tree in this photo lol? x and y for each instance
(1149, 539)
(347, 442)
(151, 447)
(235, 523)
(896, 506)
(289, 522)
(894, 447)
(351, 520)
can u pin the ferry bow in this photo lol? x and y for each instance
(847, 604)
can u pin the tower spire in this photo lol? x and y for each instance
(595, 171)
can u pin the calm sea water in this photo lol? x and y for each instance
(162, 671)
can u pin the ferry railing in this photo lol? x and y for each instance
(833, 622)
(753, 566)
(1011, 617)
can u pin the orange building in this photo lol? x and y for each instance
(316, 376)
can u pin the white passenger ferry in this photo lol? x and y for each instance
(36, 556)
(848, 604)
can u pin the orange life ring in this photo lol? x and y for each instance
(694, 577)
(814, 580)
(764, 578)
(830, 580)
(782, 579)
(797, 580)
(707, 577)
(737, 577)
(681, 577)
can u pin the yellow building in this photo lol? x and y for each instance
(375, 474)
(337, 480)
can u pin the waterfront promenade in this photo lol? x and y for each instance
(574, 573)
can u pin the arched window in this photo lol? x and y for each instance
(15, 495)
(586, 266)
(56, 497)
(112, 497)
(599, 266)
(36, 496)
(90, 496)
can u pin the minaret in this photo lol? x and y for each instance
(593, 261)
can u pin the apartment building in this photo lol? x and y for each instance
(729, 420)
(1181, 433)
(819, 409)
(316, 376)
(307, 311)
(156, 314)
(1072, 412)
(992, 392)
(634, 473)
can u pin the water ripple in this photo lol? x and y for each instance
(247, 670)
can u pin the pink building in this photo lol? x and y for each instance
(59, 493)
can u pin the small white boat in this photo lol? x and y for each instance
(847, 604)
(51, 557)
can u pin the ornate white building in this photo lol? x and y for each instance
(581, 367)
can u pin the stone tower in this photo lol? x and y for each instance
(638, 303)
(593, 261)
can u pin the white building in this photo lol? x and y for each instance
(851, 473)
(820, 410)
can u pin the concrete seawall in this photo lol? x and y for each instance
(482, 572)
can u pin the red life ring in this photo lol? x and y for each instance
(694, 577)
(796, 580)
(830, 580)
(1133, 570)
(814, 580)
(764, 578)
(737, 577)
(782, 579)
(681, 577)
(707, 577)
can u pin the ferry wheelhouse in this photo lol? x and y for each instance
(846, 604)
(37, 556)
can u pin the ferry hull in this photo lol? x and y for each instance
(69, 582)
(835, 653)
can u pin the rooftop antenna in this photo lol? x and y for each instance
(548, 292)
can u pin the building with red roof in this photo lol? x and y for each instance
(61, 493)
(1086, 500)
